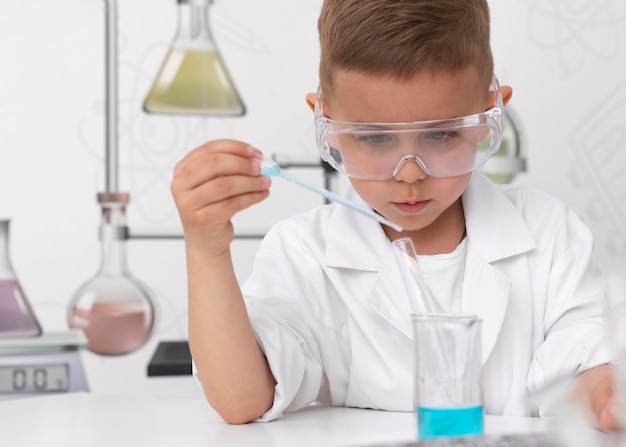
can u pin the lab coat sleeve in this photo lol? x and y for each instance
(279, 308)
(293, 362)
(293, 365)
(575, 317)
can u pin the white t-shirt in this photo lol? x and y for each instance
(444, 276)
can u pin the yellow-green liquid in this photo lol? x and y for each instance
(194, 81)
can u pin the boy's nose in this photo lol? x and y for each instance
(410, 168)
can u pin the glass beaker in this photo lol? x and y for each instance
(114, 309)
(17, 318)
(193, 77)
(448, 375)
(616, 295)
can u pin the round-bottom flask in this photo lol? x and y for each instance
(114, 309)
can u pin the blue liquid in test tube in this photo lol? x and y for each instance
(449, 422)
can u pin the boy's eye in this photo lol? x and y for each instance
(374, 139)
(439, 136)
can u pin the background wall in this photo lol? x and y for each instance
(566, 60)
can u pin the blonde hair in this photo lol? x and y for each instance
(400, 38)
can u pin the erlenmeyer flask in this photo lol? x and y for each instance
(193, 79)
(17, 318)
(114, 309)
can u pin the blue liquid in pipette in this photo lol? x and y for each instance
(272, 169)
(448, 422)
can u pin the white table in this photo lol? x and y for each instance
(93, 420)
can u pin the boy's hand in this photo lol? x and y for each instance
(595, 386)
(210, 185)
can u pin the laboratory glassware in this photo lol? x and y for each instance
(510, 158)
(193, 78)
(447, 358)
(270, 168)
(420, 296)
(616, 295)
(448, 377)
(114, 309)
(17, 318)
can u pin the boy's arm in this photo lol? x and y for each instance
(210, 185)
(234, 373)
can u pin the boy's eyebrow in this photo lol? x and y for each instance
(375, 126)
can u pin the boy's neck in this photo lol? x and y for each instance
(443, 235)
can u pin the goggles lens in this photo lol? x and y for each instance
(442, 148)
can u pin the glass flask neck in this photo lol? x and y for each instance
(113, 235)
(6, 271)
(193, 24)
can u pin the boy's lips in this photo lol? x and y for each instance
(412, 207)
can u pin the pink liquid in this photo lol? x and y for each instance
(16, 315)
(113, 327)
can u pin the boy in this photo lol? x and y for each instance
(323, 317)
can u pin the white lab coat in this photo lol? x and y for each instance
(332, 315)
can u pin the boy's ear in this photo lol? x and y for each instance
(506, 91)
(310, 100)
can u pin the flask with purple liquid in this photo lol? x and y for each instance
(17, 318)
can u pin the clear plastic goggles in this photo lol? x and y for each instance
(442, 148)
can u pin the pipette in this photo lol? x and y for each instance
(270, 168)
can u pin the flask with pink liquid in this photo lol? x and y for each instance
(17, 318)
(114, 309)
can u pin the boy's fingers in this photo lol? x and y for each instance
(607, 415)
(595, 389)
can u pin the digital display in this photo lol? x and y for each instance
(33, 378)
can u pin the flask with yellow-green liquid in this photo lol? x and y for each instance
(193, 77)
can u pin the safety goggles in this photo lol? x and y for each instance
(442, 148)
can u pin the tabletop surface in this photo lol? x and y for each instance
(87, 419)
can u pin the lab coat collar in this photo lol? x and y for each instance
(495, 230)
(347, 247)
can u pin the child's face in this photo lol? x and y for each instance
(410, 198)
